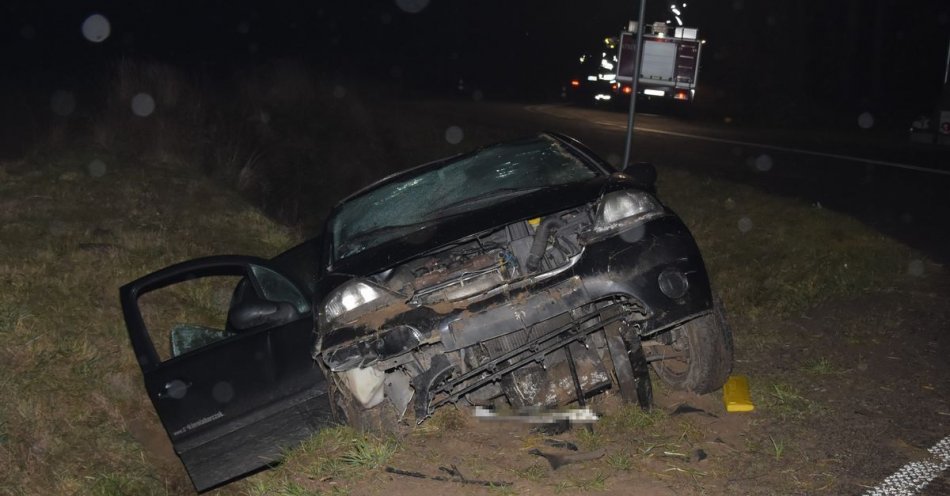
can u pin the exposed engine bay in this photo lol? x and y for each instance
(474, 266)
(479, 321)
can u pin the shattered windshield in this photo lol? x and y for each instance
(499, 172)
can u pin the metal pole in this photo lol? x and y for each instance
(946, 70)
(633, 85)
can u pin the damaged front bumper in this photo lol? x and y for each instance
(550, 340)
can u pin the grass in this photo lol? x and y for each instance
(620, 460)
(328, 463)
(534, 472)
(591, 439)
(630, 419)
(822, 366)
(448, 420)
(74, 405)
(792, 257)
(574, 485)
(72, 388)
(778, 447)
(786, 402)
(369, 453)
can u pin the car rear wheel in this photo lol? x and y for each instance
(696, 356)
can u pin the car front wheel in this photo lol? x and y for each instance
(697, 355)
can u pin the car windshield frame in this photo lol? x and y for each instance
(452, 186)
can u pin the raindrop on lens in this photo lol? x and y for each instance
(96, 28)
(222, 392)
(614, 159)
(412, 6)
(243, 27)
(62, 102)
(729, 204)
(454, 135)
(477, 95)
(745, 224)
(339, 91)
(176, 389)
(96, 168)
(143, 105)
(915, 268)
(763, 163)
(28, 32)
(865, 120)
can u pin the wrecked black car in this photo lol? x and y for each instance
(527, 274)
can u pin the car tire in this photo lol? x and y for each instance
(705, 354)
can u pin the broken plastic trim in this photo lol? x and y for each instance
(391, 343)
(532, 351)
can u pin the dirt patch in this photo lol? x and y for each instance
(871, 375)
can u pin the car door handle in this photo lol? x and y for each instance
(175, 389)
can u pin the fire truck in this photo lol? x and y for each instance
(669, 70)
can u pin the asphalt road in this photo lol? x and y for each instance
(900, 188)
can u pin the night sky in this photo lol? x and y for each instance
(857, 54)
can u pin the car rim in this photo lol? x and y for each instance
(671, 361)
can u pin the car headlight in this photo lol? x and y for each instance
(352, 296)
(624, 209)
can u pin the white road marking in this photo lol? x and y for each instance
(914, 476)
(615, 125)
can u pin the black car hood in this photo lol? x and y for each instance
(527, 206)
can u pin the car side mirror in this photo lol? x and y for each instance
(642, 172)
(255, 314)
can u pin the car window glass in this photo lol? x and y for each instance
(187, 337)
(188, 314)
(509, 167)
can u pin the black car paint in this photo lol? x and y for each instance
(626, 264)
(612, 266)
(237, 404)
(296, 402)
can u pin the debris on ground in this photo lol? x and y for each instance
(560, 443)
(454, 476)
(558, 461)
(684, 409)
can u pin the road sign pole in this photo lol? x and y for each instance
(633, 84)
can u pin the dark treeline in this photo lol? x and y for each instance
(781, 58)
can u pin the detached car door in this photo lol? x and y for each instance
(234, 396)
